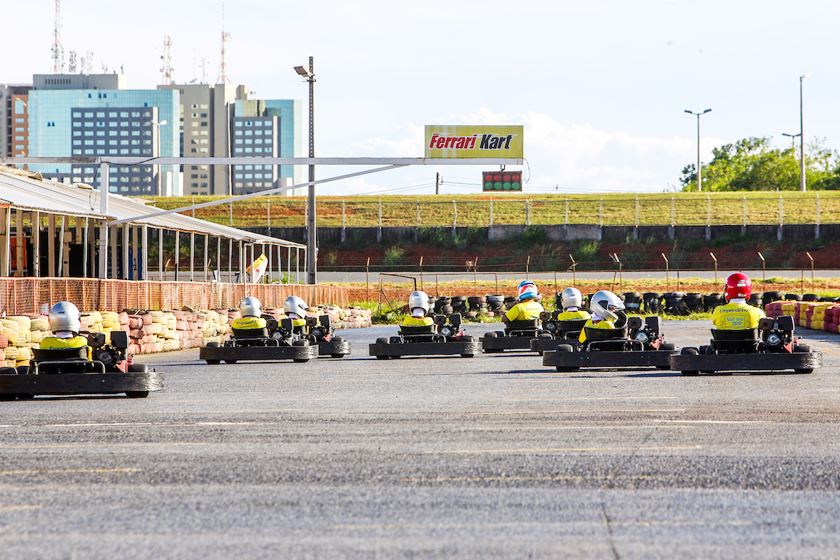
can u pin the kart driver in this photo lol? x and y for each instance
(737, 314)
(605, 307)
(251, 310)
(418, 305)
(65, 324)
(295, 309)
(527, 307)
(571, 300)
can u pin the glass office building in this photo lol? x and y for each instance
(127, 123)
(289, 115)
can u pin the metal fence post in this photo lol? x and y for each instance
(667, 271)
(780, 235)
(744, 209)
(379, 227)
(491, 213)
(817, 218)
(566, 215)
(527, 212)
(638, 211)
(454, 217)
(601, 212)
(343, 221)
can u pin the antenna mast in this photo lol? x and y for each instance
(223, 77)
(167, 71)
(57, 48)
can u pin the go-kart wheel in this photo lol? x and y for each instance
(213, 362)
(500, 334)
(564, 369)
(302, 342)
(22, 370)
(803, 349)
(382, 340)
(490, 335)
(467, 339)
(301, 360)
(690, 352)
(231, 361)
(138, 368)
(703, 350)
(212, 345)
(137, 394)
(394, 340)
(382, 357)
(4, 398)
(468, 355)
(667, 347)
(336, 355)
(565, 348)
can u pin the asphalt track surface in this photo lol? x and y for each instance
(493, 456)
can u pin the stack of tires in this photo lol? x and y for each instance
(476, 305)
(770, 297)
(510, 301)
(756, 300)
(495, 303)
(693, 302)
(633, 302)
(443, 306)
(652, 302)
(674, 304)
(459, 304)
(711, 301)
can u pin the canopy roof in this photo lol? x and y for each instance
(28, 191)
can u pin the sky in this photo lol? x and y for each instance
(600, 85)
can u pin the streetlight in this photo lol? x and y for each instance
(793, 138)
(802, 185)
(699, 171)
(156, 153)
(311, 228)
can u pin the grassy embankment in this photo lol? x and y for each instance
(474, 210)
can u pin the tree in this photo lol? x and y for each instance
(752, 164)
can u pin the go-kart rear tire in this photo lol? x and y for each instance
(301, 360)
(565, 348)
(231, 361)
(213, 362)
(668, 347)
(137, 394)
(382, 340)
(138, 368)
(383, 357)
(468, 355)
(803, 349)
(692, 352)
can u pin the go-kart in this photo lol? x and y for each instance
(556, 332)
(443, 338)
(322, 334)
(638, 343)
(770, 347)
(70, 371)
(516, 336)
(275, 342)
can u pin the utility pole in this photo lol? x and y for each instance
(437, 183)
(311, 227)
(699, 169)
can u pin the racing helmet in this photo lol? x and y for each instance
(296, 305)
(250, 307)
(526, 290)
(605, 304)
(571, 297)
(64, 316)
(738, 285)
(418, 300)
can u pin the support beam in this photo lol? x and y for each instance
(126, 252)
(219, 257)
(104, 187)
(6, 241)
(19, 242)
(113, 257)
(62, 266)
(177, 253)
(230, 260)
(192, 257)
(161, 271)
(206, 263)
(144, 256)
(51, 268)
(36, 244)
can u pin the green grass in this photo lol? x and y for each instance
(474, 210)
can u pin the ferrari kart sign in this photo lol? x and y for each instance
(463, 142)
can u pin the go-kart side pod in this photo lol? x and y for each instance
(138, 382)
(383, 349)
(214, 354)
(567, 358)
(690, 361)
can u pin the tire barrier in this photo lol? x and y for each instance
(821, 316)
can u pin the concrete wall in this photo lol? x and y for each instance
(575, 232)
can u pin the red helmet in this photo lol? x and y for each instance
(738, 285)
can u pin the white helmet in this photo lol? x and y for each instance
(250, 307)
(604, 304)
(418, 300)
(64, 316)
(296, 305)
(571, 298)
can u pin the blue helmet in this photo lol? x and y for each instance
(526, 290)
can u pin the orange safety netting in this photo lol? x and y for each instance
(23, 296)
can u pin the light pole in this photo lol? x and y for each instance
(699, 170)
(156, 153)
(802, 185)
(793, 138)
(311, 228)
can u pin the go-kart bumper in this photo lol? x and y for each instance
(465, 348)
(231, 354)
(759, 362)
(492, 344)
(659, 359)
(134, 382)
(549, 344)
(335, 348)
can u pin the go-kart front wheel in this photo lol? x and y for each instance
(563, 349)
(803, 349)
(137, 394)
(690, 352)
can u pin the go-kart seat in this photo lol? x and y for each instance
(569, 329)
(612, 340)
(250, 333)
(60, 354)
(735, 341)
(522, 328)
(424, 332)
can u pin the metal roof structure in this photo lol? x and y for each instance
(28, 191)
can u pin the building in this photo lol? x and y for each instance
(14, 119)
(117, 131)
(205, 113)
(255, 136)
(78, 81)
(65, 121)
(289, 134)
